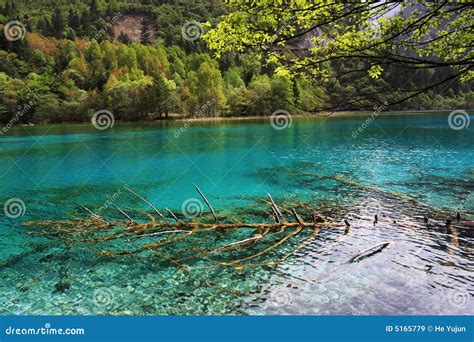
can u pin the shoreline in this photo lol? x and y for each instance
(322, 115)
(193, 119)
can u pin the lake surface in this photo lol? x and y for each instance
(400, 167)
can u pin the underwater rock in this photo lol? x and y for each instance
(62, 287)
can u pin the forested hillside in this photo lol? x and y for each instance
(146, 60)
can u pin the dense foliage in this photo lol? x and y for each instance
(72, 63)
(408, 48)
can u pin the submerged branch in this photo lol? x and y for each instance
(207, 202)
(228, 243)
(184, 238)
(144, 200)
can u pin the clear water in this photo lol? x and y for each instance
(400, 168)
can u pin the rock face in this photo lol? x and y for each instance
(133, 26)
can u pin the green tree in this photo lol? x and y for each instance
(300, 37)
(58, 24)
(157, 98)
(207, 87)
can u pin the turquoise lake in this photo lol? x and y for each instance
(399, 167)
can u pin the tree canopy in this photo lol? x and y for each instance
(326, 41)
(77, 57)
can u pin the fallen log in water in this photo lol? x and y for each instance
(227, 243)
(205, 241)
(369, 252)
